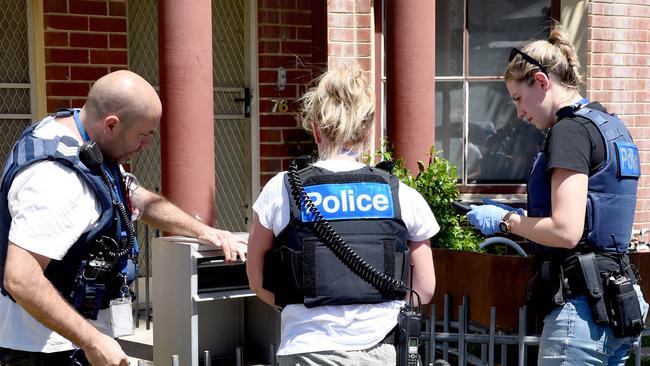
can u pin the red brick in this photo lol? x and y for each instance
(364, 50)
(341, 49)
(117, 41)
(269, 32)
(270, 165)
(613, 9)
(266, 177)
(66, 55)
(638, 11)
(55, 103)
(623, 72)
(88, 7)
(363, 35)
(601, 46)
(303, 33)
(55, 38)
(300, 76)
(56, 72)
(274, 150)
(364, 62)
(89, 40)
(341, 35)
(268, 4)
(364, 21)
(267, 135)
(287, 4)
(116, 8)
(602, 71)
(79, 101)
(67, 89)
(297, 48)
(89, 73)
(270, 61)
(340, 20)
(304, 5)
(108, 57)
(112, 68)
(267, 76)
(277, 120)
(66, 22)
(643, 48)
(55, 6)
(296, 134)
(267, 90)
(363, 6)
(295, 18)
(268, 17)
(268, 47)
(340, 6)
(117, 25)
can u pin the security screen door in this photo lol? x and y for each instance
(17, 92)
(232, 126)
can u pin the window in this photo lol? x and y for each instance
(476, 124)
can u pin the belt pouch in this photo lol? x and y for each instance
(591, 276)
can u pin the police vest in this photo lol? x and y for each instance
(62, 273)
(362, 206)
(611, 196)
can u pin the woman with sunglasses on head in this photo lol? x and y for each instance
(581, 202)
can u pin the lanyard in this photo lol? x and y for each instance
(80, 127)
(112, 173)
(581, 103)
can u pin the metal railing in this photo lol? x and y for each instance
(449, 339)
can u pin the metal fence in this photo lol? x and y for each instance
(461, 343)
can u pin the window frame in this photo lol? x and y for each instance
(465, 188)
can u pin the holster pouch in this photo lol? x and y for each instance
(283, 275)
(89, 288)
(625, 314)
(545, 288)
(594, 287)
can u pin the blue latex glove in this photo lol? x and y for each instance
(486, 218)
(519, 211)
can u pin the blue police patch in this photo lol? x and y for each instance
(629, 165)
(345, 201)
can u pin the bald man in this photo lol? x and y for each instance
(66, 237)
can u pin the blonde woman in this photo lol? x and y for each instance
(330, 316)
(581, 202)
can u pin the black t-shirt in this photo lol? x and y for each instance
(575, 143)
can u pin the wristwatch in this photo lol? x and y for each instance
(504, 224)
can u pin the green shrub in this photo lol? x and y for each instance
(436, 182)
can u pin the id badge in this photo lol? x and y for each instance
(121, 317)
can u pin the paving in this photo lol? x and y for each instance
(139, 347)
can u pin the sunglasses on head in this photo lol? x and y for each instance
(515, 51)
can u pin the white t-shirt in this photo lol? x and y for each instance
(339, 327)
(50, 206)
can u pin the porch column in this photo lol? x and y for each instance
(187, 130)
(410, 69)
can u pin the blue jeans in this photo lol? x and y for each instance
(571, 337)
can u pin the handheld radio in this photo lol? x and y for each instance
(408, 325)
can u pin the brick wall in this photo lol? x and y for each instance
(618, 75)
(84, 40)
(285, 40)
(349, 32)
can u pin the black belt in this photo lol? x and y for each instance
(574, 284)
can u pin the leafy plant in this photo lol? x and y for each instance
(436, 182)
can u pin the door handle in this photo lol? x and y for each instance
(247, 102)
